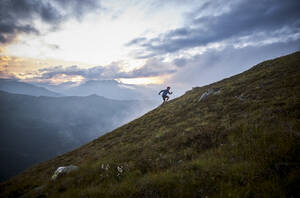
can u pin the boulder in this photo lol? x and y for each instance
(205, 94)
(64, 170)
(217, 92)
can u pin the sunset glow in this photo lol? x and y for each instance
(142, 81)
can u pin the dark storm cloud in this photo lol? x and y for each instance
(51, 72)
(245, 18)
(78, 8)
(214, 65)
(16, 16)
(153, 67)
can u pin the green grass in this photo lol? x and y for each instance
(241, 142)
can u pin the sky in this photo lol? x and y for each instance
(179, 43)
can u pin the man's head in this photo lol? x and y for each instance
(168, 88)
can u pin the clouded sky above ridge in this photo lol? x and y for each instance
(174, 42)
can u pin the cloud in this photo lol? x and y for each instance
(241, 19)
(18, 16)
(152, 68)
(214, 65)
(5, 75)
(136, 41)
(180, 62)
(4, 72)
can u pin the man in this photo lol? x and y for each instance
(164, 94)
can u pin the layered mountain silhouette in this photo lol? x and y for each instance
(34, 129)
(15, 86)
(239, 137)
(108, 88)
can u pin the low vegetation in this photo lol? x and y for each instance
(243, 140)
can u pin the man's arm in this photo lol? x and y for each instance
(160, 92)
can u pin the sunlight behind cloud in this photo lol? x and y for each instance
(100, 38)
(144, 81)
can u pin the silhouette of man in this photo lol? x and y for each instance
(165, 93)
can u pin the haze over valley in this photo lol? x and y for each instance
(37, 128)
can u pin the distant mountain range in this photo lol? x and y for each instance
(111, 89)
(34, 129)
(15, 86)
(107, 88)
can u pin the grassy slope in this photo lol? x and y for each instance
(242, 142)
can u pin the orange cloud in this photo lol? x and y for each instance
(27, 68)
(144, 80)
(62, 78)
(2, 49)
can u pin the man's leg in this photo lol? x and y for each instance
(163, 99)
(166, 98)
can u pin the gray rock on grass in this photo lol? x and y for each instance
(64, 170)
(207, 93)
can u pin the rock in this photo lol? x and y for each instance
(241, 97)
(105, 166)
(63, 170)
(217, 92)
(205, 94)
(120, 170)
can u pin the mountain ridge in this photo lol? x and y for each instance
(240, 141)
(18, 87)
(110, 89)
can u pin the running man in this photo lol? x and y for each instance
(165, 93)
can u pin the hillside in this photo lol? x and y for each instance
(53, 126)
(17, 87)
(242, 140)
